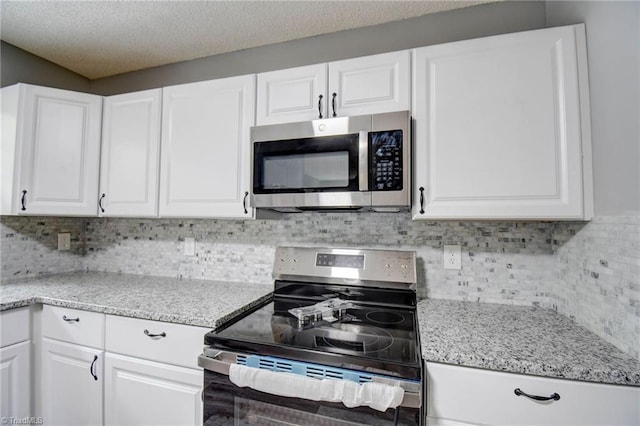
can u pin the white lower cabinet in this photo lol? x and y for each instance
(152, 376)
(71, 384)
(459, 396)
(14, 381)
(15, 364)
(103, 369)
(142, 392)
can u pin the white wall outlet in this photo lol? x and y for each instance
(64, 241)
(189, 246)
(452, 257)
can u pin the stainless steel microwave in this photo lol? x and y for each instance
(345, 163)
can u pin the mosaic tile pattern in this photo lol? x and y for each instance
(598, 278)
(587, 271)
(502, 262)
(29, 245)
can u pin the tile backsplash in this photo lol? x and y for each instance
(588, 271)
(502, 262)
(598, 278)
(29, 245)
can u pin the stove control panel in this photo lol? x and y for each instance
(386, 268)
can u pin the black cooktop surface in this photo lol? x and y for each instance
(374, 336)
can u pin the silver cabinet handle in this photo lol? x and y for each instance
(67, 319)
(163, 334)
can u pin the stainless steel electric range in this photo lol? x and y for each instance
(336, 345)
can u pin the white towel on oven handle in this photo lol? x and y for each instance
(378, 396)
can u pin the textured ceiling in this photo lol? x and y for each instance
(102, 38)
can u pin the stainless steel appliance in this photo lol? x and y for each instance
(340, 319)
(360, 162)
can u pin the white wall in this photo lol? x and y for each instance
(613, 47)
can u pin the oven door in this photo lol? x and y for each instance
(227, 404)
(224, 403)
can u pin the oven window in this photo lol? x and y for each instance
(225, 404)
(319, 164)
(320, 170)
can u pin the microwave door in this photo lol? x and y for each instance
(363, 161)
(307, 165)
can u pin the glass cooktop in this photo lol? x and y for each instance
(373, 336)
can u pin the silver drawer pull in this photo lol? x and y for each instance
(554, 396)
(163, 334)
(67, 319)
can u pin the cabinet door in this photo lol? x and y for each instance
(483, 397)
(71, 384)
(129, 164)
(370, 85)
(502, 127)
(15, 395)
(205, 159)
(60, 146)
(140, 392)
(295, 94)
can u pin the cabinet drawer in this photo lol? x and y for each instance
(486, 397)
(157, 341)
(14, 326)
(73, 326)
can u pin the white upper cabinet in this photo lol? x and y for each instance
(502, 128)
(367, 85)
(205, 153)
(50, 151)
(370, 85)
(295, 94)
(130, 160)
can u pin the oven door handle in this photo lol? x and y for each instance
(219, 362)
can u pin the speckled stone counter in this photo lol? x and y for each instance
(192, 302)
(519, 339)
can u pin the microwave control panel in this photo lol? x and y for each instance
(385, 151)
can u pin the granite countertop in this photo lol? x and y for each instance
(516, 339)
(519, 339)
(192, 302)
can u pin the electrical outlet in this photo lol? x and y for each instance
(452, 257)
(64, 241)
(189, 246)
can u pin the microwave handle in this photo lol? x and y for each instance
(363, 161)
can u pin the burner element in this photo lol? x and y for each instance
(385, 317)
(353, 337)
